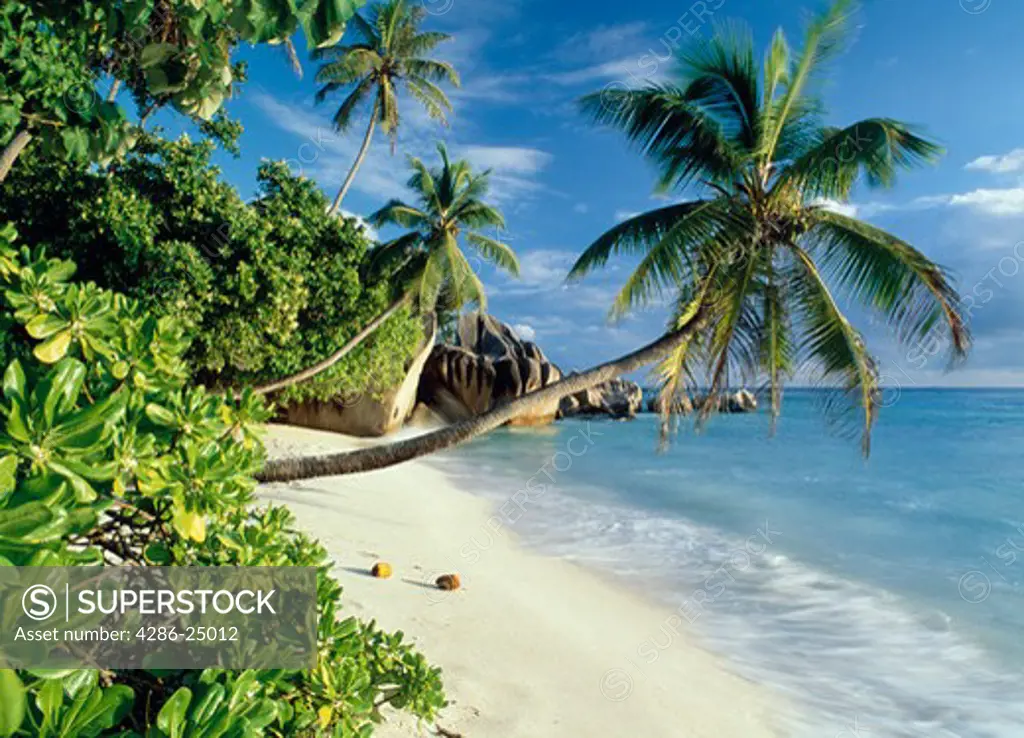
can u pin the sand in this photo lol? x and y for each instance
(530, 646)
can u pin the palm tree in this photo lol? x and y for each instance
(763, 248)
(387, 55)
(749, 263)
(449, 207)
(428, 262)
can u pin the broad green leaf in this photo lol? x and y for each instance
(54, 349)
(60, 389)
(14, 381)
(190, 524)
(158, 555)
(8, 470)
(23, 520)
(76, 143)
(155, 54)
(171, 718)
(45, 325)
(161, 416)
(12, 702)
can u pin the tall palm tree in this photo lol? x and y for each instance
(763, 248)
(388, 54)
(428, 262)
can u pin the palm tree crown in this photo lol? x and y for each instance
(761, 251)
(450, 207)
(388, 53)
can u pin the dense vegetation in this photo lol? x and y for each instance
(108, 455)
(264, 288)
(112, 451)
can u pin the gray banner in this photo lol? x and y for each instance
(179, 617)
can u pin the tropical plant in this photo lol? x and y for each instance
(386, 56)
(264, 288)
(764, 250)
(108, 457)
(427, 265)
(55, 55)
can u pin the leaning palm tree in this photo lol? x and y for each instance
(388, 54)
(762, 248)
(751, 263)
(428, 262)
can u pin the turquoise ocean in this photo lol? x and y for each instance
(881, 597)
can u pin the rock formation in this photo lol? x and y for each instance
(618, 398)
(490, 364)
(741, 401)
(368, 416)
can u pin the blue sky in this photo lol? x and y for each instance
(951, 66)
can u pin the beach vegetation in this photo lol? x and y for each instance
(386, 56)
(109, 455)
(264, 288)
(769, 249)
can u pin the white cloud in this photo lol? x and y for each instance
(326, 155)
(842, 208)
(544, 269)
(525, 331)
(493, 88)
(621, 215)
(506, 159)
(992, 202)
(368, 230)
(581, 207)
(1008, 163)
(602, 41)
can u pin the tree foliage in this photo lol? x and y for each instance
(451, 211)
(264, 288)
(761, 249)
(107, 455)
(58, 57)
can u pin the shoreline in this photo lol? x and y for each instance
(530, 646)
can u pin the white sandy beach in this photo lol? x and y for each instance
(531, 646)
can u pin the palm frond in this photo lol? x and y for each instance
(634, 236)
(476, 214)
(432, 71)
(724, 81)
(495, 252)
(464, 285)
(836, 350)
(733, 339)
(396, 212)
(878, 148)
(776, 68)
(670, 259)
(777, 351)
(824, 40)
(674, 375)
(889, 275)
(431, 98)
(686, 142)
(343, 116)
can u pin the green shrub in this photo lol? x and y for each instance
(108, 456)
(265, 289)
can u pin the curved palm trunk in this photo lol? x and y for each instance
(379, 457)
(14, 148)
(338, 355)
(358, 162)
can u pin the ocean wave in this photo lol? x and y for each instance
(856, 659)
